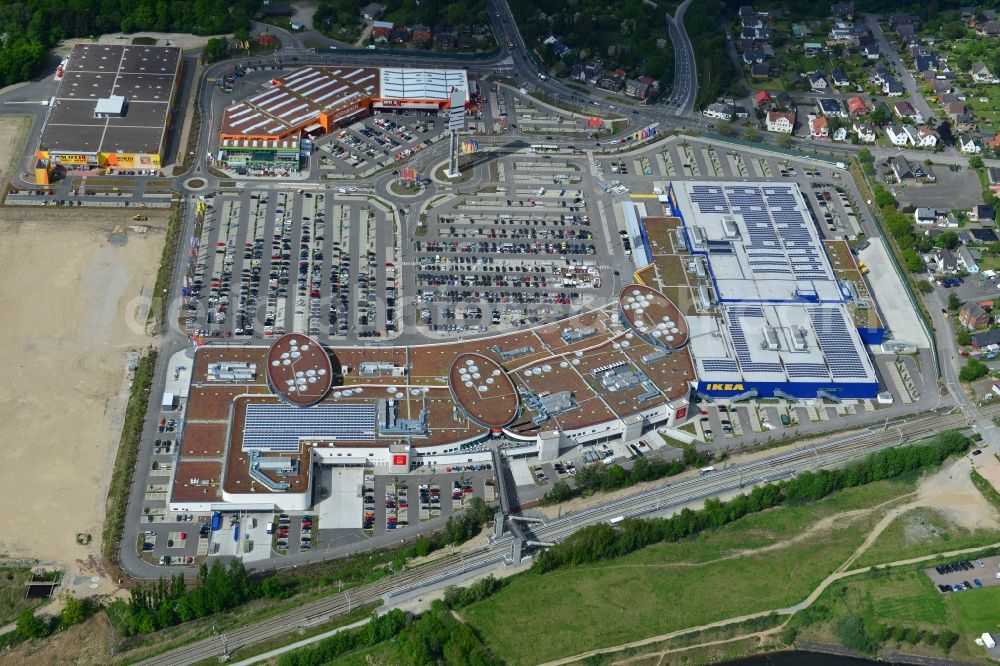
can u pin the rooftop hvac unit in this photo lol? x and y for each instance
(729, 227)
(799, 338)
(771, 340)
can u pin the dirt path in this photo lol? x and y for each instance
(930, 489)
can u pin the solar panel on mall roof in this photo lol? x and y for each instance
(278, 427)
(834, 339)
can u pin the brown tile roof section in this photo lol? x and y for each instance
(483, 389)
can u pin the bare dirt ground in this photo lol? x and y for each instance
(71, 300)
(181, 39)
(13, 132)
(988, 467)
(951, 492)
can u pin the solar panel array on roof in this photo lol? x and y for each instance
(278, 427)
(835, 340)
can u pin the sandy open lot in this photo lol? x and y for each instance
(70, 287)
(12, 136)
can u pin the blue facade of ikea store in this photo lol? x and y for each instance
(844, 391)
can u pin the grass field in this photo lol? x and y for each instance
(989, 111)
(922, 532)
(907, 598)
(13, 598)
(683, 584)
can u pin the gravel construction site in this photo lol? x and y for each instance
(72, 297)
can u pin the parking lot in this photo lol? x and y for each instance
(526, 254)
(376, 143)
(269, 261)
(961, 575)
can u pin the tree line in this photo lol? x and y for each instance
(603, 541)
(591, 478)
(32, 27)
(433, 637)
(718, 76)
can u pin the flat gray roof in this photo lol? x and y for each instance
(144, 75)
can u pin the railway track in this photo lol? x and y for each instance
(669, 496)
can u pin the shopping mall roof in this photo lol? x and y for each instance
(298, 99)
(299, 369)
(759, 241)
(429, 84)
(143, 75)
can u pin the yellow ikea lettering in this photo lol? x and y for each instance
(725, 387)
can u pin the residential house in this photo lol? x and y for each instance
(905, 169)
(608, 81)
(753, 56)
(372, 11)
(840, 134)
(400, 35)
(558, 47)
(868, 47)
(830, 108)
(782, 122)
(637, 88)
(988, 29)
(839, 78)
(898, 136)
(799, 30)
(856, 106)
(906, 33)
(896, 20)
(720, 111)
(275, 9)
(844, 9)
(981, 213)
(812, 48)
(954, 109)
(927, 62)
(819, 127)
(926, 137)
(784, 101)
(941, 87)
(577, 73)
(946, 262)
(925, 216)
(983, 235)
(964, 122)
(594, 69)
(382, 31)
(880, 74)
(993, 178)
(984, 339)
(762, 100)
(794, 78)
(981, 73)
(445, 39)
(968, 144)
(893, 88)
(842, 31)
(993, 143)
(760, 70)
(972, 315)
(906, 110)
(883, 109)
(817, 80)
(421, 34)
(865, 131)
